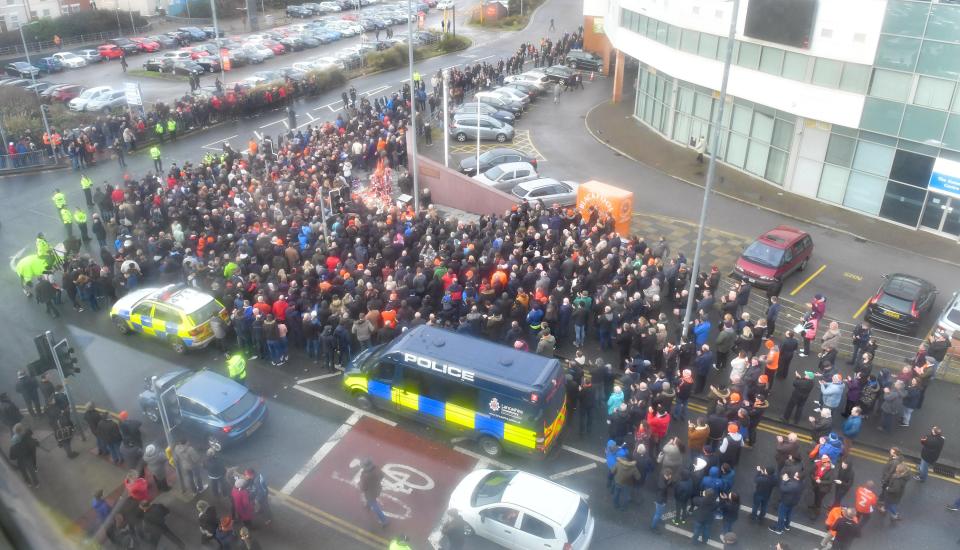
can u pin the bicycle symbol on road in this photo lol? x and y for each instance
(398, 479)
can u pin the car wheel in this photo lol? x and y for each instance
(468, 531)
(489, 446)
(501, 138)
(803, 264)
(152, 414)
(363, 400)
(178, 346)
(122, 326)
(461, 137)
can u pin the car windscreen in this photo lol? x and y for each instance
(491, 488)
(894, 303)
(577, 522)
(206, 311)
(763, 254)
(493, 173)
(239, 408)
(954, 315)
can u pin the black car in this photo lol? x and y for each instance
(128, 46)
(196, 34)
(494, 157)
(299, 11)
(166, 42)
(558, 73)
(900, 302)
(579, 59)
(187, 68)
(212, 33)
(209, 63)
(22, 69)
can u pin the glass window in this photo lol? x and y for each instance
(911, 168)
(673, 37)
(873, 158)
(737, 150)
(844, 131)
(795, 66)
(702, 106)
(722, 49)
(944, 23)
(757, 157)
(840, 150)
(536, 527)
(879, 138)
(895, 52)
(855, 78)
(902, 203)
(933, 92)
(749, 55)
(782, 134)
(864, 193)
(951, 136)
(685, 100)
(770, 60)
(923, 125)
(741, 119)
(688, 40)
(826, 72)
(833, 183)
(881, 116)
(652, 28)
(776, 166)
(663, 31)
(905, 17)
(939, 59)
(762, 127)
(919, 148)
(891, 85)
(708, 45)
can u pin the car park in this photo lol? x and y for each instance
(299, 11)
(773, 256)
(521, 511)
(165, 41)
(80, 102)
(110, 51)
(445, 4)
(471, 108)
(22, 69)
(107, 102)
(315, 9)
(196, 34)
(330, 6)
(49, 65)
(91, 56)
(15, 82)
(900, 303)
(465, 127)
(209, 64)
(179, 55)
(257, 53)
(212, 32)
(128, 46)
(46, 94)
(527, 88)
(501, 102)
(535, 78)
(579, 59)
(548, 191)
(211, 407)
(70, 60)
(38, 87)
(949, 320)
(494, 157)
(66, 93)
(146, 44)
(505, 176)
(558, 73)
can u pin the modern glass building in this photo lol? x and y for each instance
(852, 102)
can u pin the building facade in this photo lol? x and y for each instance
(852, 102)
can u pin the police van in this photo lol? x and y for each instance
(503, 398)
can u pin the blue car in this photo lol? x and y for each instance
(213, 408)
(49, 65)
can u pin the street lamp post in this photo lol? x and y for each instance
(446, 110)
(216, 37)
(413, 111)
(33, 79)
(711, 168)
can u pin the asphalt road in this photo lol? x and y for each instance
(288, 449)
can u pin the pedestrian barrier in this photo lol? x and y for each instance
(29, 159)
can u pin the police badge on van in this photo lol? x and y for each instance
(506, 412)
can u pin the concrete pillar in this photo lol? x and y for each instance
(618, 77)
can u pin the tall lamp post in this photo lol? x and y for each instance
(33, 79)
(711, 167)
(216, 37)
(413, 110)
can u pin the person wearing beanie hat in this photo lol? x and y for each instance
(157, 463)
(208, 520)
(243, 508)
(730, 445)
(226, 534)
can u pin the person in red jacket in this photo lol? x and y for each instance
(280, 309)
(658, 420)
(865, 502)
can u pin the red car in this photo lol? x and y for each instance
(774, 256)
(110, 51)
(146, 45)
(67, 93)
(276, 47)
(197, 52)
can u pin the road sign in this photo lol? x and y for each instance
(132, 92)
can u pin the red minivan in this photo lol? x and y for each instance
(774, 256)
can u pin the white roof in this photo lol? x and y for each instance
(542, 496)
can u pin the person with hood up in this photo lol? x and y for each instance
(730, 445)
(712, 481)
(615, 399)
(157, 463)
(243, 508)
(612, 452)
(625, 476)
(832, 446)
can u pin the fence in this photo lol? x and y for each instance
(25, 160)
(69, 42)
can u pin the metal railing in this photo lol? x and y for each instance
(29, 159)
(69, 42)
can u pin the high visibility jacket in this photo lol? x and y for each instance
(43, 247)
(80, 216)
(66, 216)
(158, 128)
(59, 200)
(171, 125)
(85, 182)
(154, 152)
(397, 544)
(236, 367)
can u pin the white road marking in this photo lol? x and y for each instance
(44, 214)
(478, 456)
(585, 454)
(321, 377)
(674, 529)
(258, 134)
(322, 452)
(347, 406)
(272, 123)
(573, 471)
(793, 524)
(327, 106)
(212, 143)
(376, 90)
(312, 118)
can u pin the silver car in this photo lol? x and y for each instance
(464, 127)
(548, 191)
(505, 176)
(949, 320)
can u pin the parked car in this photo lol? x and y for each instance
(38, 87)
(45, 95)
(547, 190)
(900, 303)
(470, 108)
(66, 93)
(531, 90)
(501, 101)
(494, 157)
(196, 34)
(80, 102)
(535, 78)
(298, 11)
(91, 56)
(178, 55)
(464, 127)
(110, 51)
(128, 46)
(49, 65)
(164, 41)
(212, 33)
(70, 60)
(257, 53)
(521, 511)
(22, 69)
(774, 256)
(209, 64)
(330, 6)
(15, 82)
(212, 407)
(949, 320)
(505, 176)
(445, 4)
(558, 73)
(146, 44)
(579, 59)
(107, 102)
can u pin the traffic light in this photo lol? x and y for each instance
(68, 361)
(45, 362)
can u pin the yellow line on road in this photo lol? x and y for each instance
(807, 280)
(863, 307)
(355, 532)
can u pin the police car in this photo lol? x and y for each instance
(176, 314)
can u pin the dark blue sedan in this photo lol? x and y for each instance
(212, 407)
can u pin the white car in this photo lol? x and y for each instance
(177, 55)
(539, 80)
(547, 191)
(80, 102)
(513, 94)
(445, 4)
(521, 511)
(505, 176)
(330, 6)
(949, 320)
(70, 60)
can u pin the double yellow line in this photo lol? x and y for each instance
(341, 526)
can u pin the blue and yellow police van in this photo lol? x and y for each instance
(503, 398)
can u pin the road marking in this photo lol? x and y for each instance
(44, 214)
(585, 454)
(808, 279)
(272, 123)
(853, 276)
(212, 143)
(321, 377)
(487, 459)
(353, 531)
(573, 471)
(347, 406)
(863, 307)
(689, 534)
(312, 118)
(800, 526)
(376, 90)
(258, 134)
(327, 106)
(322, 452)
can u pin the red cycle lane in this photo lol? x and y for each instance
(419, 476)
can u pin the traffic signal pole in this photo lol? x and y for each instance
(77, 424)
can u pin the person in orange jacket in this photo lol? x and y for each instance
(865, 502)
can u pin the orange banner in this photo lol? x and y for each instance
(608, 201)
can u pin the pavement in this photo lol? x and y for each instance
(613, 125)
